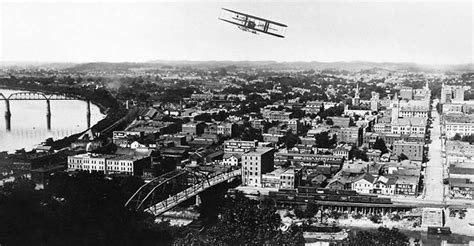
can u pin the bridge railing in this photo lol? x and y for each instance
(182, 196)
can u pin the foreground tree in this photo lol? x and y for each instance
(380, 145)
(85, 209)
(383, 236)
(245, 222)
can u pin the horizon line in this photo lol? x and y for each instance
(13, 62)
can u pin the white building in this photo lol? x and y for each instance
(108, 164)
(414, 125)
(462, 124)
(231, 159)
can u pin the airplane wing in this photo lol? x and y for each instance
(231, 22)
(255, 17)
(255, 29)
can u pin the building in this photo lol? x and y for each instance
(288, 178)
(374, 154)
(254, 164)
(273, 138)
(276, 115)
(462, 124)
(459, 148)
(108, 164)
(313, 107)
(124, 137)
(382, 128)
(342, 150)
(239, 146)
(414, 151)
(413, 110)
(406, 93)
(293, 124)
(364, 183)
(193, 128)
(340, 121)
(385, 185)
(452, 93)
(356, 99)
(231, 159)
(307, 159)
(461, 179)
(414, 125)
(226, 129)
(351, 134)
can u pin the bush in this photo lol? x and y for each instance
(376, 218)
(357, 216)
(396, 217)
(335, 214)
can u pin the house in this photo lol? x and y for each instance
(336, 184)
(364, 184)
(231, 159)
(406, 185)
(318, 181)
(385, 185)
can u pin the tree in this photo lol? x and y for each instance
(329, 122)
(357, 154)
(380, 145)
(246, 222)
(291, 140)
(457, 137)
(402, 157)
(383, 236)
(468, 138)
(323, 140)
(84, 209)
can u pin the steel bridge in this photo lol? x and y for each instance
(165, 192)
(36, 96)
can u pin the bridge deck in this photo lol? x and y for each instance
(184, 195)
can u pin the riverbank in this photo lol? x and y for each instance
(107, 104)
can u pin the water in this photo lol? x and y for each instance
(29, 125)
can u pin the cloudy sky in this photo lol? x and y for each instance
(431, 32)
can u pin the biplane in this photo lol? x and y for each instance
(253, 24)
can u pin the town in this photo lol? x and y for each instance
(328, 147)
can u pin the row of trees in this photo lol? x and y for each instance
(466, 138)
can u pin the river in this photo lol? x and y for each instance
(29, 124)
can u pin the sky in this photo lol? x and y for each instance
(428, 32)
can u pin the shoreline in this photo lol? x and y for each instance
(112, 113)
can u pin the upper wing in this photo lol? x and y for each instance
(255, 29)
(255, 17)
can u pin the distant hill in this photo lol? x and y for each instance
(110, 67)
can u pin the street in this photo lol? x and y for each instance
(434, 188)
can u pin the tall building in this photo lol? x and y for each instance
(356, 99)
(374, 101)
(414, 151)
(452, 93)
(254, 164)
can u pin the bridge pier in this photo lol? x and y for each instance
(88, 114)
(48, 114)
(8, 115)
(198, 200)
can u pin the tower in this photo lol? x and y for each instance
(356, 99)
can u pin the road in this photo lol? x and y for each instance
(434, 172)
